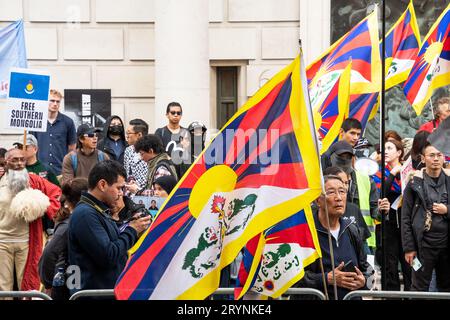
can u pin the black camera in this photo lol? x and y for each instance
(137, 208)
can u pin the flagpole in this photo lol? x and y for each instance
(316, 144)
(432, 110)
(323, 279)
(24, 146)
(382, 149)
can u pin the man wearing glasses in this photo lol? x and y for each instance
(60, 137)
(135, 167)
(351, 269)
(425, 226)
(176, 139)
(79, 163)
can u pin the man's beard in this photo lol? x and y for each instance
(17, 180)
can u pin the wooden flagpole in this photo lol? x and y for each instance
(24, 146)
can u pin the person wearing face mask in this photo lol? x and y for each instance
(113, 142)
(362, 190)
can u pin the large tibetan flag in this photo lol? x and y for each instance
(431, 68)
(12, 53)
(361, 46)
(402, 46)
(275, 260)
(260, 169)
(330, 115)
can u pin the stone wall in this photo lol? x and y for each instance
(102, 44)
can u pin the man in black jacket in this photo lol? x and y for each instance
(96, 245)
(347, 246)
(425, 226)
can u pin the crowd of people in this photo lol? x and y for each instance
(416, 209)
(73, 189)
(75, 192)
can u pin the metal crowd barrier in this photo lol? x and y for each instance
(230, 291)
(24, 294)
(93, 293)
(397, 294)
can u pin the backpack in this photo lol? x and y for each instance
(74, 158)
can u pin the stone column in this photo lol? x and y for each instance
(315, 30)
(182, 59)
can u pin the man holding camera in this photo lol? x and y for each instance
(96, 245)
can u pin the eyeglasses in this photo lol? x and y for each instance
(55, 101)
(178, 113)
(130, 133)
(334, 193)
(90, 135)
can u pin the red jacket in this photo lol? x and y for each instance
(31, 279)
(429, 126)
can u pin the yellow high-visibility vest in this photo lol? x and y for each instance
(363, 183)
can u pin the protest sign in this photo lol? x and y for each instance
(27, 106)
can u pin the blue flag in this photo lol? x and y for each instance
(29, 86)
(12, 53)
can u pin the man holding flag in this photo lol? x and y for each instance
(352, 271)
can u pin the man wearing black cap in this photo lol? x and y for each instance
(80, 162)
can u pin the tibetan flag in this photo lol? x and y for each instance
(328, 118)
(396, 184)
(361, 46)
(364, 107)
(431, 68)
(275, 260)
(402, 46)
(12, 53)
(261, 168)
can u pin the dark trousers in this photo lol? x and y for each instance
(432, 258)
(394, 255)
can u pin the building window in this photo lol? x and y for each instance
(227, 94)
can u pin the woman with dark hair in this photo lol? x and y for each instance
(393, 191)
(55, 252)
(419, 142)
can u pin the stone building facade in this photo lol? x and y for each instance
(151, 52)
